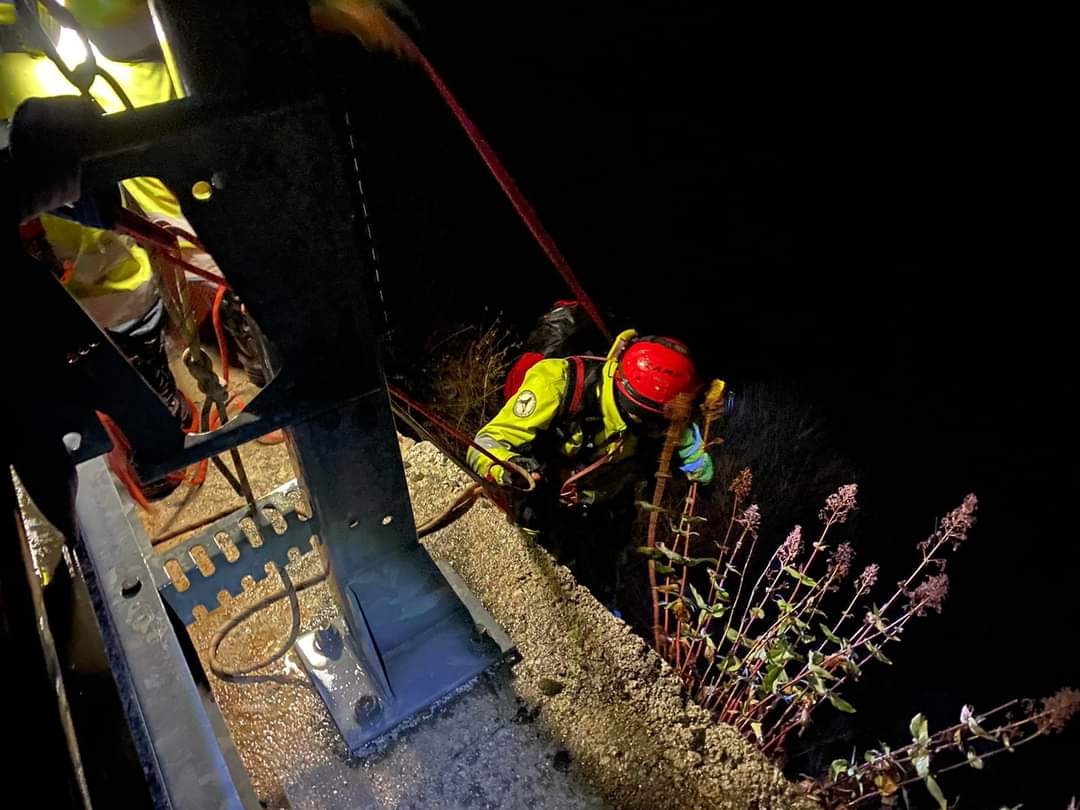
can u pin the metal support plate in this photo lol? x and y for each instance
(279, 536)
(351, 696)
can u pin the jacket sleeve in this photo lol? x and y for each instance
(532, 410)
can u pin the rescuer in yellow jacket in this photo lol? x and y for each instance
(108, 273)
(578, 422)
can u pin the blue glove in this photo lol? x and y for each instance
(697, 464)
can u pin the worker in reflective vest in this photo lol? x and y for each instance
(579, 422)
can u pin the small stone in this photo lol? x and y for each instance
(550, 687)
(695, 759)
(697, 739)
(561, 760)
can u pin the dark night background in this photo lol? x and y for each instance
(856, 212)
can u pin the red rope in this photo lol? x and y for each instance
(517, 198)
(460, 435)
(150, 235)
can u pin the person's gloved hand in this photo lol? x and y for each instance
(697, 464)
(570, 495)
(528, 464)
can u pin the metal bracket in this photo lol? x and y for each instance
(352, 696)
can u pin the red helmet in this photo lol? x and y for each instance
(653, 371)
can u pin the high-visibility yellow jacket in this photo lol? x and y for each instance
(530, 425)
(111, 276)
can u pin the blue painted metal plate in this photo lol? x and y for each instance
(203, 589)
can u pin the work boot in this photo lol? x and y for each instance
(142, 341)
(244, 339)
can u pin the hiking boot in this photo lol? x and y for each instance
(244, 338)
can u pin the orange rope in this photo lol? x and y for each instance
(219, 332)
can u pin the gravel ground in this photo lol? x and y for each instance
(611, 701)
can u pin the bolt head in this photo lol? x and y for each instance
(366, 709)
(328, 642)
(72, 442)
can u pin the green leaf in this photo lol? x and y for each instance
(732, 635)
(837, 768)
(880, 624)
(822, 672)
(785, 606)
(696, 519)
(871, 755)
(774, 679)
(689, 632)
(819, 685)
(651, 553)
(829, 634)
(698, 598)
(646, 506)
(922, 764)
(674, 556)
(780, 652)
(841, 704)
(877, 653)
(710, 643)
(800, 577)
(664, 569)
(851, 668)
(974, 760)
(919, 729)
(967, 716)
(935, 791)
(757, 613)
